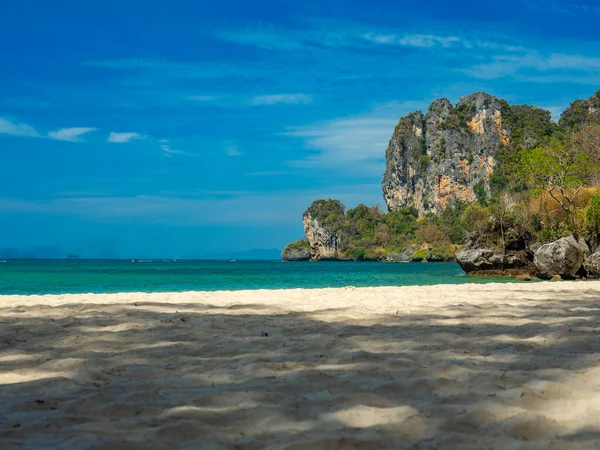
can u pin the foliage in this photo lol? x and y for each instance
(451, 221)
(424, 163)
(592, 216)
(562, 169)
(329, 213)
(301, 244)
(421, 254)
(529, 126)
(480, 193)
(575, 115)
(543, 187)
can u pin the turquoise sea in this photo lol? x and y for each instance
(100, 276)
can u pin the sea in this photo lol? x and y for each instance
(29, 277)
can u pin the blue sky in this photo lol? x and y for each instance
(187, 128)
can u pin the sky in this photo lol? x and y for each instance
(190, 128)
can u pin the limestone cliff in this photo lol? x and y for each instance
(323, 222)
(449, 154)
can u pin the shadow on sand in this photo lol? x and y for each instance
(158, 375)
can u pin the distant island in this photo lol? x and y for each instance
(500, 188)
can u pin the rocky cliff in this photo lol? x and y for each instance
(323, 222)
(449, 154)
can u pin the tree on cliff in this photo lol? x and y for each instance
(562, 168)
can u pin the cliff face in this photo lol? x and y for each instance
(323, 241)
(323, 222)
(448, 154)
(438, 158)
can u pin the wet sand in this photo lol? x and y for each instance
(499, 366)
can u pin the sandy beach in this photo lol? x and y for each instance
(498, 366)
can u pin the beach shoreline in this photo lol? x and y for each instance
(471, 365)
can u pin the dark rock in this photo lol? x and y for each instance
(585, 248)
(435, 258)
(592, 264)
(563, 257)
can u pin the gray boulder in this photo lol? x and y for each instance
(592, 264)
(476, 259)
(563, 257)
(296, 255)
(397, 257)
(494, 261)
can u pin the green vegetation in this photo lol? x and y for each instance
(296, 246)
(575, 115)
(367, 233)
(592, 216)
(545, 185)
(329, 213)
(480, 193)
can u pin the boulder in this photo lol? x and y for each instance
(296, 255)
(585, 248)
(556, 278)
(487, 259)
(475, 259)
(397, 257)
(563, 257)
(592, 264)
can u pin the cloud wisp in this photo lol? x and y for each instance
(552, 67)
(17, 129)
(64, 134)
(356, 142)
(70, 134)
(287, 99)
(121, 138)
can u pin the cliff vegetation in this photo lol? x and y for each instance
(483, 174)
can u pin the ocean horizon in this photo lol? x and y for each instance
(79, 276)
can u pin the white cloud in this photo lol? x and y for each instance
(413, 40)
(289, 99)
(357, 141)
(119, 138)
(17, 129)
(70, 134)
(165, 146)
(510, 65)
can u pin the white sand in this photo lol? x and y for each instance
(499, 366)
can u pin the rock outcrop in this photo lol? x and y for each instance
(449, 154)
(397, 257)
(563, 257)
(322, 227)
(494, 261)
(301, 254)
(592, 264)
